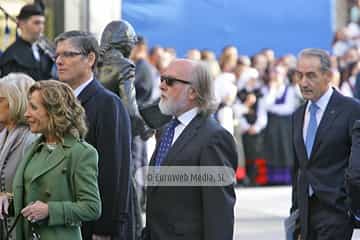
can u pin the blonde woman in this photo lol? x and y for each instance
(55, 185)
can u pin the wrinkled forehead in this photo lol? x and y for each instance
(181, 69)
(307, 62)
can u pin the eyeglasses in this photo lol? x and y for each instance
(68, 54)
(170, 80)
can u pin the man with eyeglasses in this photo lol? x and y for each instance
(191, 138)
(109, 132)
(322, 129)
(25, 54)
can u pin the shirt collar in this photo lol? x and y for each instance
(80, 88)
(323, 100)
(67, 142)
(186, 117)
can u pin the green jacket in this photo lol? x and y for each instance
(67, 183)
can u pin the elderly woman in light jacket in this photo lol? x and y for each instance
(15, 134)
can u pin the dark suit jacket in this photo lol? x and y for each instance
(18, 57)
(109, 133)
(357, 87)
(325, 170)
(353, 173)
(194, 213)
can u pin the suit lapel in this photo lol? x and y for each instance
(298, 132)
(331, 112)
(19, 175)
(18, 182)
(89, 91)
(56, 157)
(180, 142)
(188, 133)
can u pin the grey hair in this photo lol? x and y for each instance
(203, 84)
(14, 87)
(85, 42)
(322, 55)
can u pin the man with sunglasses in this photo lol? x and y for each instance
(109, 132)
(192, 138)
(322, 129)
(25, 54)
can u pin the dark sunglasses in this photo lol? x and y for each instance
(170, 80)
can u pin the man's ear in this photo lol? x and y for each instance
(328, 76)
(192, 93)
(91, 58)
(20, 23)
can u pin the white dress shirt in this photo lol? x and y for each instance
(184, 120)
(35, 50)
(322, 104)
(80, 88)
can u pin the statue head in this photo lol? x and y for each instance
(119, 35)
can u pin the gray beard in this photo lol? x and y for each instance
(165, 108)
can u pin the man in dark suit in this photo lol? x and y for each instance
(191, 138)
(144, 82)
(109, 133)
(26, 54)
(322, 142)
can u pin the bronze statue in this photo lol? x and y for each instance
(117, 73)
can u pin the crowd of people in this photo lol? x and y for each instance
(79, 119)
(257, 96)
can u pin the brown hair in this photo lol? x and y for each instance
(66, 115)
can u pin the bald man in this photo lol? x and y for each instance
(192, 138)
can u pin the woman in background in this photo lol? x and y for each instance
(15, 136)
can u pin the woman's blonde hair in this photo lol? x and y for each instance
(66, 115)
(14, 88)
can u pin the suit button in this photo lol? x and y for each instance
(48, 194)
(63, 170)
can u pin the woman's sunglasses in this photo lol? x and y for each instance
(170, 80)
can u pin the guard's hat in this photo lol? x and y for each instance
(30, 10)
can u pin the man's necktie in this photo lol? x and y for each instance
(166, 141)
(310, 135)
(312, 128)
